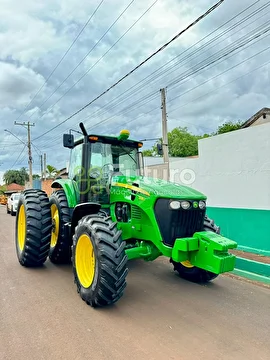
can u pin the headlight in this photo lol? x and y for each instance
(185, 205)
(202, 204)
(175, 205)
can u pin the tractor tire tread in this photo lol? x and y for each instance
(110, 250)
(37, 241)
(61, 253)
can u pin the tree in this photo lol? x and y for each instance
(182, 143)
(36, 176)
(3, 188)
(19, 177)
(148, 152)
(51, 171)
(228, 126)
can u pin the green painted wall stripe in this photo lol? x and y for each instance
(251, 276)
(253, 266)
(253, 250)
(248, 227)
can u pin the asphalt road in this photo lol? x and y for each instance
(160, 317)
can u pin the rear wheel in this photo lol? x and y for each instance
(192, 273)
(60, 247)
(99, 261)
(33, 228)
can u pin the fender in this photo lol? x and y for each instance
(69, 187)
(82, 210)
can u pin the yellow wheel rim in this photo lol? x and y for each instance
(21, 227)
(85, 261)
(55, 221)
(187, 264)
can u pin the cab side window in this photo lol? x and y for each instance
(75, 168)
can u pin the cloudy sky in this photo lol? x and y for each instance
(56, 56)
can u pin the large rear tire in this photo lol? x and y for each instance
(192, 273)
(33, 228)
(60, 247)
(99, 261)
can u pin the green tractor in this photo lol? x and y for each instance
(107, 212)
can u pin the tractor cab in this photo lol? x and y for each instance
(96, 159)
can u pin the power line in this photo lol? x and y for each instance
(201, 96)
(151, 96)
(219, 87)
(62, 58)
(216, 76)
(81, 61)
(181, 61)
(146, 79)
(200, 66)
(138, 66)
(222, 55)
(15, 162)
(87, 71)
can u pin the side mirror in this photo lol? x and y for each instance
(159, 149)
(141, 163)
(68, 141)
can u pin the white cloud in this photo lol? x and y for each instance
(17, 85)
(25, 36)
(35, 36)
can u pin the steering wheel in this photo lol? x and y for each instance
(107, 170)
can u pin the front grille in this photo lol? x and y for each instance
(177, 223)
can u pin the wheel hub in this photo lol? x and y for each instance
(85, 260)
(55, 225)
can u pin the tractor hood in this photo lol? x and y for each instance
(156, 187)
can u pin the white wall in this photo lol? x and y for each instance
(233, 169)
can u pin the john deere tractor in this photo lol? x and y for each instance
(107, 212)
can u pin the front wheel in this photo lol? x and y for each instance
(33, 228)
(192, 273)
(99, 261)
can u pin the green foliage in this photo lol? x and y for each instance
(228, 126)
(182, 143)
(19, 177)
(51, 171)
(36, 176)
(147, 152)
(3, 188)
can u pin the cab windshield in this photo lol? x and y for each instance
(116, 159)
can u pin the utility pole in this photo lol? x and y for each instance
(45, 166)
(30, 160)
(165, 132)
(41, 167)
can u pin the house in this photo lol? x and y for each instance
(63, 173)
(261, 117)
(12, 188)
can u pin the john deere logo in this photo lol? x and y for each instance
(195, 204)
